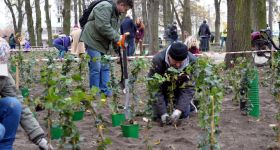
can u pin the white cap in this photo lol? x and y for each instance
(4, 56)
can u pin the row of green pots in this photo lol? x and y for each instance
(56, 129)
(130, 130)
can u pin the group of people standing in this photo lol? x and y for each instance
(136, 35)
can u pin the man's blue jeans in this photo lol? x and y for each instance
(10, 110)
(99, 72)
(62, 50)
(130, 47)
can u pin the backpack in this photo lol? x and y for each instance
(84, 18)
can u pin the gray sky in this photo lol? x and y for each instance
(5, 16)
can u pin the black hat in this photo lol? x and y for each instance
(178, 51)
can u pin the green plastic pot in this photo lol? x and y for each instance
(130, 131)
(78, 115)
(255, 112)
(56, 132)
(117, 119)
(13, 69)
(254, 96)
(25, 92)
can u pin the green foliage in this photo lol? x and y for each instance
(138, 65)
(152, 84)
(276, 87)
(209, 92)
(240, 77)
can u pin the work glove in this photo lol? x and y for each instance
(175, 116)
(43, 144)
(121, 42)
(165, 118)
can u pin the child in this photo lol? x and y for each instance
(191, 42)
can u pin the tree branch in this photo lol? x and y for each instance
(176, 14)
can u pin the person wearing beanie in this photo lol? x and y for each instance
(178, 57)
(62, 43)
(11, 117)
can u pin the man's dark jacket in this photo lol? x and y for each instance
(204, 30)
(183, 95)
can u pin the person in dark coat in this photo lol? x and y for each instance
(177, 56)
(129, 26)
(204, 34)
(12, 41)
(62, 44)
(173, 35)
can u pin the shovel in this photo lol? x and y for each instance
(126, 85)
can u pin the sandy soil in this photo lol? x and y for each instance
(238, 132)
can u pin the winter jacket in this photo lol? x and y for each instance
(27, 120)
(64, 41)
(173, 33)
(77, 47)
(102, 28)
(128, 26)
(183, 95)
(139, 32)
(204, 30)
(12, 40)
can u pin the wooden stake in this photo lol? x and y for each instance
(17, 76)
(212, 123)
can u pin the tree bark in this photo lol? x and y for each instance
(84, 4)
(186, 23)
(217, 21)
(66, 17)
(167, 14)
(133, 13)
(270, 15)
(48, 22)
(80, 8)
(30, 23)
(153, 15)
(239, 28)
(145, 21)
(259, 14)
(38, 23)
(75, 13)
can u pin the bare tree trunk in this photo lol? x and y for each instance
(259, 14)
(84, 4)
(38, 23)
(76, 13)
(270, 15)
(48, 22)
(133, 13)
(30, 23)
(20, 15)
(80, 8)
(217, 21)
(66, 17)
(153, 15)
(145, 21)
(186, 23)
(167, 15)
(239, 27)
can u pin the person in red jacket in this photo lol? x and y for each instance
(139, 35)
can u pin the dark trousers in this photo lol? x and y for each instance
(204, 44)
